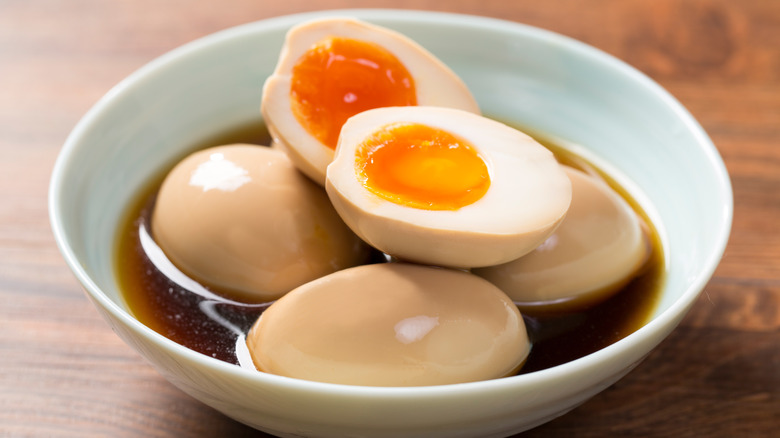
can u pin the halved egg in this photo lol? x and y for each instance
(445, 187)
(391, 324)
(595, 251)
(242, 220)
(333, 68)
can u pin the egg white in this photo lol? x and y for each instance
(435, 84)
(528, 196)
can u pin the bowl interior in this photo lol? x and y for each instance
(604, 109)
(600, 106)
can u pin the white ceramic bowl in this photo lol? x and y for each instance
(518, 73)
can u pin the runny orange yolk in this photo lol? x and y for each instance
(340, 77)
(421, 167)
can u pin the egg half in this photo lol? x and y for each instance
(391, 324)
(333, 68)
(242, 220)
(595, 251)
(445, 187)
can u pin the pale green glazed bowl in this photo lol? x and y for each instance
(556, 85)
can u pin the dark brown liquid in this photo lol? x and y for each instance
(212, 326)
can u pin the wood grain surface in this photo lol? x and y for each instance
(63, 372)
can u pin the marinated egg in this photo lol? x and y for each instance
(243, 220)
(445, 187)
(331, 69)
(391, 324)
(595, 251)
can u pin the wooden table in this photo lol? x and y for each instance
(64, 373)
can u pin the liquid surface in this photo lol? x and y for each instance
(190, 315)
(341, 77)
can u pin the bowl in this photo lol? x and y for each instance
(601, 107)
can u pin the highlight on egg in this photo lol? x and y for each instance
(242, 220)
(597, 249)
(391, 324)
(445, 187)
(333, 68)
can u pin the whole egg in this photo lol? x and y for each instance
(595, 251)
(391, 324)
(242, 220)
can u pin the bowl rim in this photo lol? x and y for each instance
(663, 322)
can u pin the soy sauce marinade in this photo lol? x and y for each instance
(191, 317)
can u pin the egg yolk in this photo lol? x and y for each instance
(422, 167)
(340, 77)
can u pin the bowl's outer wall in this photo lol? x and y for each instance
(528, 76)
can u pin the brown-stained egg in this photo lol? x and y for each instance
(333, 68)
(595, 251)
(243, 220)
(391, 324)
(445, 187)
